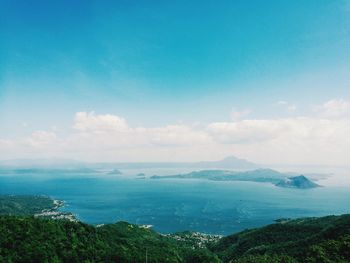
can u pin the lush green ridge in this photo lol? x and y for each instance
(29, 239)
(24, 204)
(325, 239)
(37, 205)
(38, 239)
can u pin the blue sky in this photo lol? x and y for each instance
(156, 63)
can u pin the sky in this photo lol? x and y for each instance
(268, 81)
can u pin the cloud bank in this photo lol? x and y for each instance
(322, 138)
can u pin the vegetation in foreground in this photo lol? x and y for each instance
(324, 239)
(29, 239)
(36, 239)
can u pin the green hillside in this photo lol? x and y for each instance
(24, 204)
(325, 239)
(29, 239)
(36, 238)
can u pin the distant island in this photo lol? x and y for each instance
(300, 182)
(141, 176)
(259, 175)
(114, 172)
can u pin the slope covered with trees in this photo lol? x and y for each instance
(29, 239)
(32, 238)
(325, 239)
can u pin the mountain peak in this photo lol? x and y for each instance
(231, 158)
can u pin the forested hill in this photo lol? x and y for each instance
(32, 229)
(29, 239)
(324, 239)
(57, 239)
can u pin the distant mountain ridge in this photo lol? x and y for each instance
(230, 162)
(42, 163)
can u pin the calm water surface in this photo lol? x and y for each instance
(177, 205)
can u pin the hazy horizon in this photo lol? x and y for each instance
(262, 165)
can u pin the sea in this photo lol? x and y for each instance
(174, 205)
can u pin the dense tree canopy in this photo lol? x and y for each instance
(27, 238)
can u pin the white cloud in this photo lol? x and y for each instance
(334, 108)
(291, 140)
(90, 122)
(289, 129)
(292, 108)
(237, 115)
(175, 135)
(4, 144)
(246, 131)
(108, 132)
(41, 138)
(39, 144)
(109, 138)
